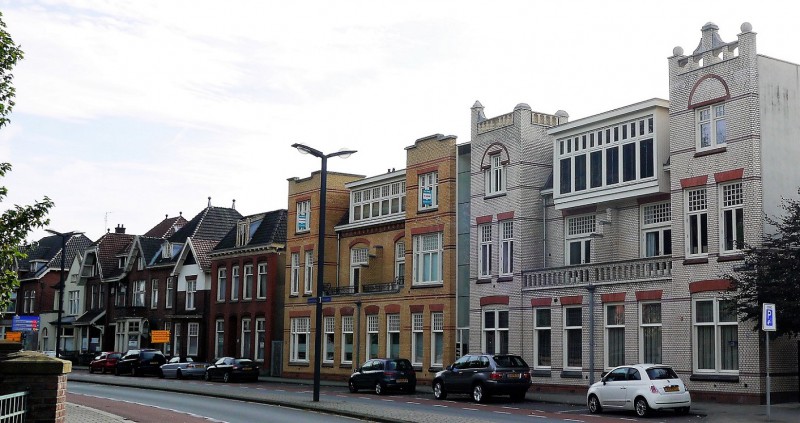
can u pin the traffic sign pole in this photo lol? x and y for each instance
(769, 324)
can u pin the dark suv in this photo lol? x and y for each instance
(140, 362)
(483, 375)
(383, 374)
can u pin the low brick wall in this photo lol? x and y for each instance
(45, 378)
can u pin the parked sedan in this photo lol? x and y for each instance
(105, 362)
(483, 375)
(181, 367)
(641, 387)
(384, 374)
(229, 369)
(140, 362)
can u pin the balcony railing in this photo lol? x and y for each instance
(658, 268)
(366, 288)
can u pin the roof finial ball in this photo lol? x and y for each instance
(746, 27)
(677, 51)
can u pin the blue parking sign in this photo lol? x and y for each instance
(768, 318)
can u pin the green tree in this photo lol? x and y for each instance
(17, 222)
(771, 274)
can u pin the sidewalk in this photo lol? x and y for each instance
(708, 411)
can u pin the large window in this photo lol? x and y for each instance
(696, 222)
(122, 292)
(393, 335)
(294, 288)
(139, 290)
(308, 275)
(247, 338)
(247, 283)
(358, 257)
(191, 289)
(261, 338)
(347, 339)
(578, 240)
(417, 339)
(222, 283)
(235, 283)
(506, 248)
(650, 333)
(716, 336)
(372, 336)
(384, 200)
(74, 303)
(303, 216)
(219, 344)
(656, 229)
(154, 293)
(437, 339)
(495, 331)
(176, 339)
(542, 338)
(193, 341)
(485, 255)
(298, 346)
(428, 191)
(495, 176)
(330, 339)
(573, 338)
(427, 259)
(732, 219)
(261, 289)
(711, 128)
(615, 335)
(399, 261)
(170, 295)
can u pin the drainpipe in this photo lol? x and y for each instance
(338, 252)
(357, 334)
(591, 288)
(544, 232)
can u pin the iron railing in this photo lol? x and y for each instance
(13, 407)
(365, 288)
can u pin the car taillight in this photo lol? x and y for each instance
(526, 375)
(495, 376)
(237, 367)
(390, 374)
(653, 389)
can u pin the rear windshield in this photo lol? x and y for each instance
(509, 361)
(114, 355)
(244, 362)
(399, 365)
(656, 373)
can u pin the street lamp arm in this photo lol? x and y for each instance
(342, 153)
(308, 150)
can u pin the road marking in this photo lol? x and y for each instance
(412, 402)
(502, 412)
(388, 400)
(510, 408)
(628, 419)
(440, 405)
(539, 411)
(538, 417)
(573, 420)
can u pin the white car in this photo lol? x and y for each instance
(641, 388)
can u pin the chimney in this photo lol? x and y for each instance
(120, 229)
(233, 206)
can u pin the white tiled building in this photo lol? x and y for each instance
(625, 223)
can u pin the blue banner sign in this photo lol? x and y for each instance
(25, 323)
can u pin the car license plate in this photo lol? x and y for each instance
(247, 369)
(513, 375)
(671, 388)
(154, 362)
(402, 380)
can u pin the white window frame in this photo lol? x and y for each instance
(717, 324)
(393, 335)
(247, 282)
(191, 291)
(434, 266)
(95, 298)
(235, 276)
(261, 338)
(169, 297)
(485, 250)
(711, 117)
(347, 339)
(579, 230)
(300, 335)
(648, 325)
(246, 339)
(329, 341)
(358, 257)
(222, 283)
(261, 287)
(219, 338)
(308, 275)
(372, 336)
(400, 261)
(498, 333)
(539, 328)
(168, 345)
(378, 202)
(430, 181)
(495, 176)
(294, 285)
(176, 339)
(242, 233)
(566, 339)
(656, 219)
(74, 303)
(506, 258)
(695, 208)
(417, 339)
(193, 338)
(154, 293)
(139, 292)
(614, 321)
(437, 339)
(303, 208)
(731, 200)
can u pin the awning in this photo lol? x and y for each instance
(89, 317)
(65, 321)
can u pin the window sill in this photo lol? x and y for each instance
(495, 195)
(699, 377)
(730, 257)
(505, 279)
(295, 295)
(328, 365)
(541, 373)
(484, 280)
(428, 210)
(572, 374)
(711, 151)
(434, 369)
(299, 363)
(307, 231)
(430, 285)
(346, 365)
(700, 260)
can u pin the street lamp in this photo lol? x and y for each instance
(61, 284)
(343, 153)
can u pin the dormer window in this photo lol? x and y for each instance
(33, 266)
(121, 262)
(242, 233)
(166, 250)
(140, 263)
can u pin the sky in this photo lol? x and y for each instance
(128, 111)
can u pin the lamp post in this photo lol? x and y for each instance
(61, 284)
(344, 153)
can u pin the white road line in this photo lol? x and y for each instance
(538, 417)
(440, 405)
(388, 400)
(573, 420)
(412, 402)
(539, 411)
(628, 419)
(470, 409)
(510, 408)
(502, 412)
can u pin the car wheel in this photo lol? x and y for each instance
(226, 377)
(594, 405)
(178, 374)
(116, 371)
(683, 411)
(352, 386)
(91, 369)
(207, 377)
(641, 407)
(438, 390)
(160, 374)
(378, 388)
(478, 395)
(135, 372)
(518, 396)
(104, 370)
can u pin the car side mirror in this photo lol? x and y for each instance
(359, 369)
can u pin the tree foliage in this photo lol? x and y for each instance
(771, 274)
(17, 222)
